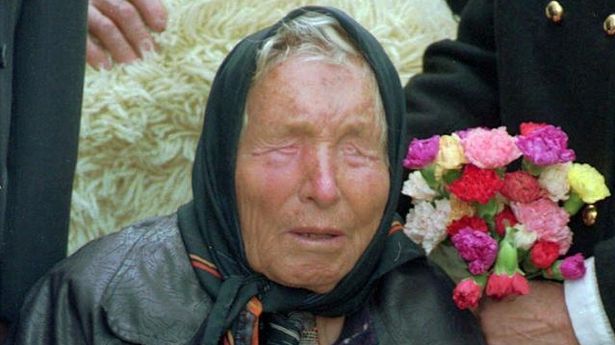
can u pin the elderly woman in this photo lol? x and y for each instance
(291, 236)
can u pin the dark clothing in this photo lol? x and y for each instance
(358, 330)
(512, 64)
(137, 287)
(456, 5)
(42, 59)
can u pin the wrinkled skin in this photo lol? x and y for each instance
(119, 30)
(539, 318)
(312, 176)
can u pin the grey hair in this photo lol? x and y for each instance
(315, 37)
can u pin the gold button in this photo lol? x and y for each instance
(554, 11)
(590, 214)
(609, 25)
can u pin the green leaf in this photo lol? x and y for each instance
(447, 257)
(487, 211)
(451, 175)
(429, 174)
(530, 168)
(573, 204)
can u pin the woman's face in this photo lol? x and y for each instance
(312, 177)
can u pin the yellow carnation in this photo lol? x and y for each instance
(459, 209)
(450, 155)
(588, 183)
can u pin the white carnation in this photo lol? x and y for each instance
(524, 239)
(426, 224)
(554, 179)
(417, 188)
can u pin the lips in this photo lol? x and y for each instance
(316, 232)
(316, 236)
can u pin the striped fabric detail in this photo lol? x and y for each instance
(395, 227)
(228, 339)
(204, 265)
(255, 307)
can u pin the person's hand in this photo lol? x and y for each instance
(540, 317)
(120, 29)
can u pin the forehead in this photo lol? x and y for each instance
(306, 90)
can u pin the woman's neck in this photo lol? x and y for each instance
(329, 329)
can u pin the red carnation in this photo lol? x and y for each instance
(474, 223)
(504, 219)
(521, 187)
(503, 285)
(528, 127)
(544, 253)
(476, 184)
(519, 285)
(467, 293)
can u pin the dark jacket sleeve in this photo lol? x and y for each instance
(414, 304)
(458, 86)
(40, 105)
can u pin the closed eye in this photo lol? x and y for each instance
(350, 149)
(357, 156)
(281, 154)
(287, 150)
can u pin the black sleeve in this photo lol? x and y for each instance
(414, 304)
(47, 63)
(458, 86)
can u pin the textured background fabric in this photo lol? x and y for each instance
(141, 122)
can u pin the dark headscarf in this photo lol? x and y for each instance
(210, 224)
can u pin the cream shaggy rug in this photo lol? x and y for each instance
(141, 122)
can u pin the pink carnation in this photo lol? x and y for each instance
(490, 148)
(467, 294)
(545, 146)
(477, 248)
(547, 219)
(421, 152)
(573, 267)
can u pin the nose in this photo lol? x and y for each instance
(320, 185)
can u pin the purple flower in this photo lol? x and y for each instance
(477, 248)
(545, 146)
(422, 152)
(573, 267)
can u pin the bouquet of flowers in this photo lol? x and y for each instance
(505, 224)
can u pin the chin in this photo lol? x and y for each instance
(316, 278)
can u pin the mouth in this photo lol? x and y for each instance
(316, 236)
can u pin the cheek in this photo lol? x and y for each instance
(367, 190)
(367, 198)
(262, 192)
(367, 194)
(265, 185)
